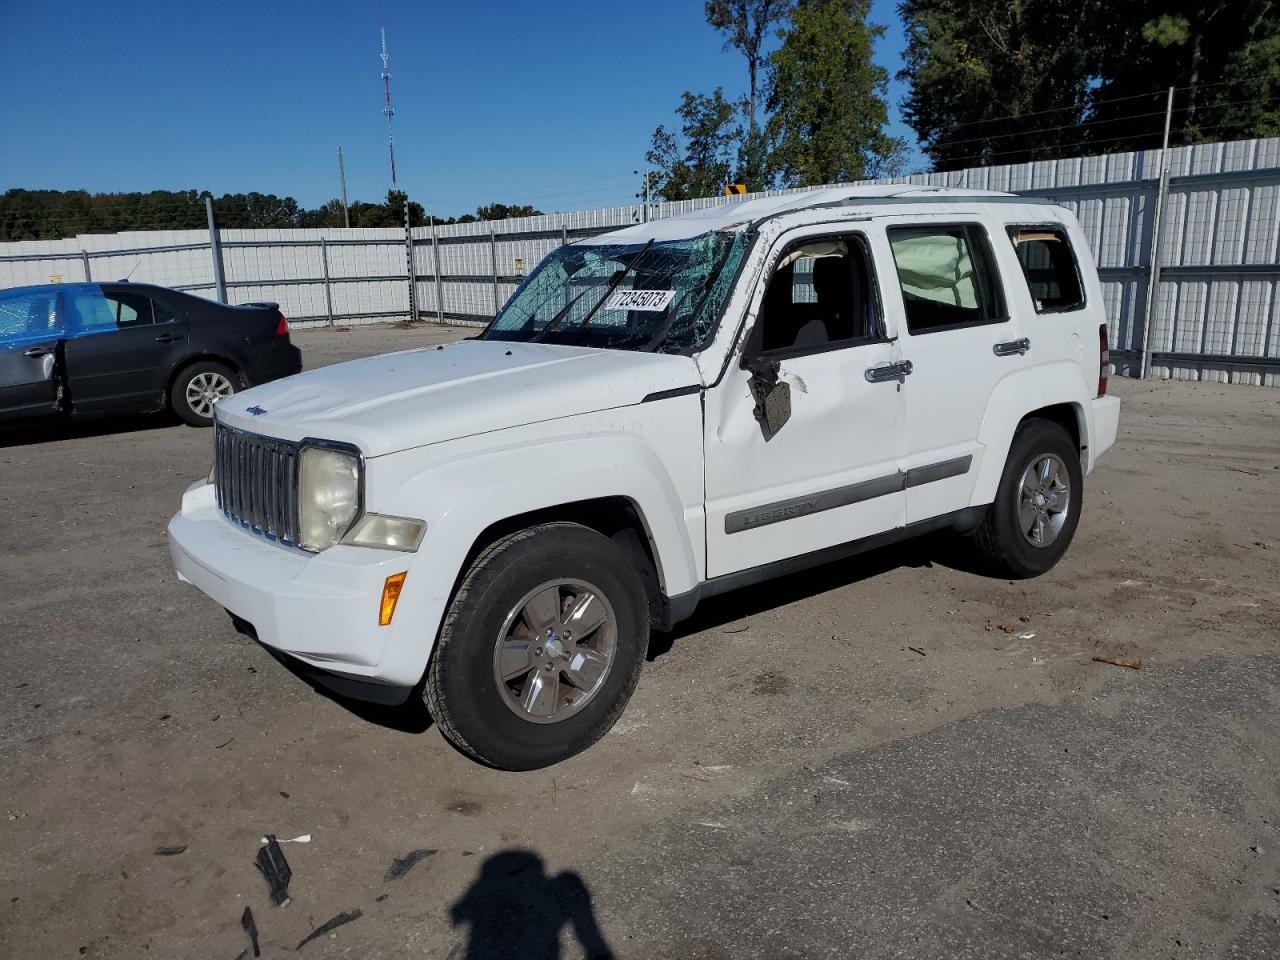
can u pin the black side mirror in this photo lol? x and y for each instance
(772, 396)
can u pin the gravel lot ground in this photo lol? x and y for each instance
(790, 780)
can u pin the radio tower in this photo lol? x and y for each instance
(386, 106)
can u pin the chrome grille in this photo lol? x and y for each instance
(256, 482)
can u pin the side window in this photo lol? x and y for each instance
(27, 316)
(1049, 265)
(164, 313)
(821, 295)
(130, 309)
(947, 277)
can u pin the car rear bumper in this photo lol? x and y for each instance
(321, 611)
(1106, 424)
(283, 360)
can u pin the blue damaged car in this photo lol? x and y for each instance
(90, 349)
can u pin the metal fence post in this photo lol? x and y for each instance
(564, 235)
(84, 259)
(409, 268)
(435, 255)
(493, 260)
(328, 293)
(1157, 222)
(215, 251)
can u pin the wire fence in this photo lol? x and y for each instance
(1215, 313)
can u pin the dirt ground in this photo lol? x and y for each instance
(891, 757)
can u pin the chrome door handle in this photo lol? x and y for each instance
(38, 351)
(1012, 348)
(167, 338)
(890, 371)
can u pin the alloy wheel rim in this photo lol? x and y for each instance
(206, 389)
(555, 650)
(1044, 501)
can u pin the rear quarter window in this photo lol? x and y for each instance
(1049, 266)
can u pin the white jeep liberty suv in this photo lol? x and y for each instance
(658, 414)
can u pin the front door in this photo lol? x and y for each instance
(126, 346)
(960, 339)
(829, 474)
(29, 338)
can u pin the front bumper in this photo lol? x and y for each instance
(320, 610)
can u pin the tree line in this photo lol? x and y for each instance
(987, 83)
(54, 214)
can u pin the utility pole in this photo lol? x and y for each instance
(342, 177)
(1153, 274)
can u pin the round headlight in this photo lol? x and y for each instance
(328, 496)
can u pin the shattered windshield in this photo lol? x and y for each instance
(646, 296)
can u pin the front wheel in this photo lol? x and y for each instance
(198, 388)
(1030, 524)
(541, 647)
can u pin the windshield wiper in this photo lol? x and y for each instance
(555, 321)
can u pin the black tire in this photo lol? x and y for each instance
(461, 690)
(180, 399)
(999, 539)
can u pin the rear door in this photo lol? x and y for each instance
(960, 339)
(29, 337)
(125, 346)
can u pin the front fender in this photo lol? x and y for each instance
(1016, 396)
(460, 497)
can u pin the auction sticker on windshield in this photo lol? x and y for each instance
(654, 301)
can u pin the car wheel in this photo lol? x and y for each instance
(1030, 524)
(540, 649)
(198, 388)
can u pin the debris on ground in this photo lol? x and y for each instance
(1005, 628)
(402, 865)
(1024, 619)
(742, 629)
(170, 851)
(338, 921)
(303, 838)
(275, 868)
(1118, 662)
(1027, 636)
(916, 650)
(251, 928)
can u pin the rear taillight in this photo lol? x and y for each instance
(1104, 360)
(282, 328)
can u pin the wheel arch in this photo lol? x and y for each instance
(1051, 392)
(617, 517)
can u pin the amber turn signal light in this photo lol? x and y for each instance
(390, 597)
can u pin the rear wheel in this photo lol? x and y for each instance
(1030, 524)
(198, 388)
(541, 648)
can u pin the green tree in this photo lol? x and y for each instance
(1220, 55)
(502, 211)
(827, 98)
(698, 164)
(999, 82)
(745, 25)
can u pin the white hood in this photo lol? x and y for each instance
(416, 397)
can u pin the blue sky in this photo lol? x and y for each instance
(547, 103)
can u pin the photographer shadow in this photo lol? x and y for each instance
(514, 910)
